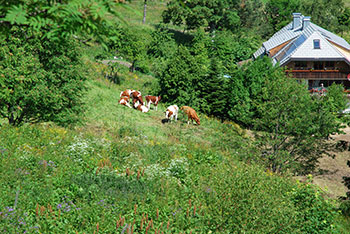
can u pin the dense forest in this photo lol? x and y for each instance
(75, 161)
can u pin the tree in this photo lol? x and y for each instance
(292, 127)
(212, 14)
(132, 46)
(324, 13)
(40, 60)
(144, 11)
(56, 19)
(214, 91)
(295, 126)
(246, 87)
(279, 13)
(215, 14)
(36, 86)
(182, 79)
(344, 19)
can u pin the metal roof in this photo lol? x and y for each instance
(259, 52)
(297, 37)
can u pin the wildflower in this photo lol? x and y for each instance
(208, 190)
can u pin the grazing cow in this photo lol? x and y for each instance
(137, 101)
(152, 100)
(124, 101)
(191, 114)
(136, 96)
(171, 112)
(142, 108)
(127, 93)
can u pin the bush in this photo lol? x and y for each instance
(41, 81)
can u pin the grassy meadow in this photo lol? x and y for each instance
(123, 171)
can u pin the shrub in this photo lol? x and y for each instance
(38, 86)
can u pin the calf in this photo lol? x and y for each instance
(171, 112)
(124, 101)
(152, 100)
(191, 114)
(142, 108)
(127, 93)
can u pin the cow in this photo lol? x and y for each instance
(142, 108)
(124, 101)
(137, 101)
(136, 96)
(191, 114)
(127, 93)
(152, 100)
(171, 112)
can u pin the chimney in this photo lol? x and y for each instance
(306, 22)
(296, 20)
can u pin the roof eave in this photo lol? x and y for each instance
(315, 59)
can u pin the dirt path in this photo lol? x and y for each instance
(127, 64)
(334, 169)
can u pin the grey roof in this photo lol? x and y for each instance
(296, 38)
(259, 52)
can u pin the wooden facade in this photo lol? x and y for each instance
(317, 72)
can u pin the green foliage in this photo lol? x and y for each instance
(324, 13)
(71, 180)
(163, 44)
(231, 49)
(314, 212)
(182, 75)
(56, 19)
(279, 13)
(196, 14)
(132, 46)
(246, 87)
(36, 85)
(292, 127)
(345, 208)
(344, 19)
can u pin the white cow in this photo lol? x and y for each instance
(172, 112)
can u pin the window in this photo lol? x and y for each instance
(317, 44)
(330, 64)
(318, 66)
(300, 65)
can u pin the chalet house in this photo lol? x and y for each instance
(309, 53)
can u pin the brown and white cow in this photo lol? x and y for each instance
(124, 101)
(127, 93)
(136, 97)
(142, 108)
(172, 112)
(152, 100)
(191, 114)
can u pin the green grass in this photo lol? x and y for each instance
(132, 12)
(121, 166)
(124, 164)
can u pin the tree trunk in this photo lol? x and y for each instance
(132, 68)
(144, 12)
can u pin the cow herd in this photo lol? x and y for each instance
(170, 114)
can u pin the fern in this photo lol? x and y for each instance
(16, 15)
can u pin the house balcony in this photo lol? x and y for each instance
(318, 74)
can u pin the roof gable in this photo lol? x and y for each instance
(307, 50)
(301, 43)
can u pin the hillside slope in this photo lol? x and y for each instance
(126, 169)
(123, 171)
